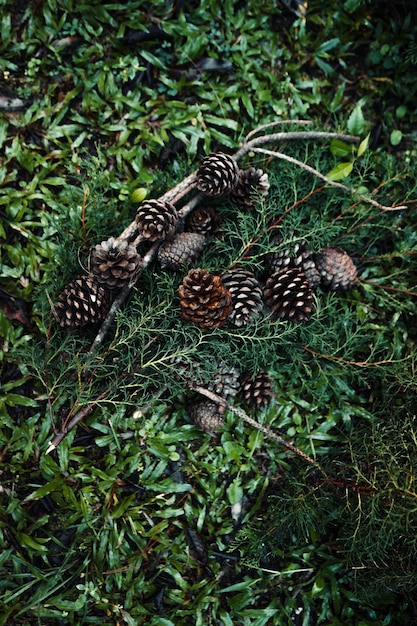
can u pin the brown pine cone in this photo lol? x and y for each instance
(203, 220)
(256, 391)
(156, 219)
(206, 415)
(246, 295)
(253, 185)
(217, 175)
(114, 263)
(336, 268)
(180, 249)
(288, 294)
(204, 300)
(83, 301)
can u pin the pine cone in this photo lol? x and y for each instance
(180, 249)
(218, 174)
(225, 382)
(206, 415)
(300, 257)
(203, 220)
(114, 263)
(205, 301)
(288, 294)
(256, 391)
(156, 219)
(253, 185)
(246, 295)
(83, 301)
(336, 269)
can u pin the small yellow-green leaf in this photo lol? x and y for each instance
(139, 194)
(363, 146)
(340, 171)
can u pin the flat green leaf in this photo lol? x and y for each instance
(235, 492)
(34, 544)
(356, 121)
(340, 171)
(340, 148)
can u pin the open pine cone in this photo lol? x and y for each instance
(204, 300)
(256, 391)
(288, 294)
(83, 301)
(114, 263)
(300, 257)
(156, 219)
(253, 184)
(203, 220)
(246, 295)
(217, 175)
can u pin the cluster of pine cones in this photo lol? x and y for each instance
(207, 300)
(255, 391)
(238, 296)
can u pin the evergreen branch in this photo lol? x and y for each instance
(333, 183)
(263, 429)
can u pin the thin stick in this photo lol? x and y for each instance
(78, 417)
(271, 124)
(263, 429)
(277, 137)
(308, 168)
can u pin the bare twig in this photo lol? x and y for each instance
(272, 124)
(78, 417)
(308, 168)
(263, 429)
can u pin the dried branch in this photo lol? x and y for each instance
(308, 168)
(263, 429)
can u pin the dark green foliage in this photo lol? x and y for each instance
(139, 517)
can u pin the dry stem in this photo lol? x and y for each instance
(263, 429)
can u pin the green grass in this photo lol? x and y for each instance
(139, 517)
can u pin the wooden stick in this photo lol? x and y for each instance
(263, 429)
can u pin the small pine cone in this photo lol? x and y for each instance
(114, 263)
(246, 295)
(253, 184)
(203, 220)
(204, 300)
(300, 257)
(217, 175)
(206, 415)
(277, 261)
(180, 249)
(256, 391)
(303, 259)
(225, 382)
(336, 269)
(156, 219)
(288, 294)
(83, 301)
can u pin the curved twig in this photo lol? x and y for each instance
(263, 429)
(308, 168)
